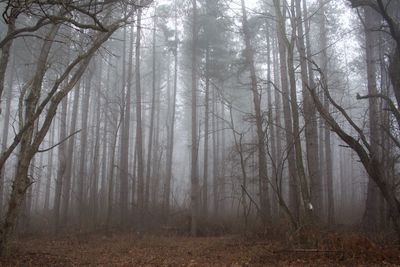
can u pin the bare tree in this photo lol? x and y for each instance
(195, 191)
(30, 140)
(262, 159)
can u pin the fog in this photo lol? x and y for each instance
(199, 118)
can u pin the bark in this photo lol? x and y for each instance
(62, 156)
(105, 159)
(194, 151)
(139, 142)
(371, 214)
(49, 170)
(152, 115)
(206, 135)
(125, 131)
(93, 189)
(122, 169)
(215, 145)
(277, 118)
(157, 150)
(326, 131)
(67, 177)
(6, 125)
(294, 205)
(262, 159)
(303, 183)
(38, 182)
(83, 177)
(111, 175)
(171, 128)
(311, 130)
(5, 56)
(271, 122)
(221, 149)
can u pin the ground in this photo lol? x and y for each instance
(132, 249)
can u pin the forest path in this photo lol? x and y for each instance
(131, 250)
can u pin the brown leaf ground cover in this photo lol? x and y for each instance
(149, 250)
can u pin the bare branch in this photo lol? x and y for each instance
(59, 143)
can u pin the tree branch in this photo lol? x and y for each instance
(59, 143)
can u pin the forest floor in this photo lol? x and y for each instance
(120, 249)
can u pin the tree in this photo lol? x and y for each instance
(171, 119)
(370, 220)
(139, 142)
(327, 133)
(152, 117)
(311, 134)
(262, 159)
(281, 32)
(30, 140)
(194, 151)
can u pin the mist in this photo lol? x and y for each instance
(263, 125)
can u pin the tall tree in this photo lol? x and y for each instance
(326, 131)
(82, 179)
(311, 133)
(125, 131)
(152, 116)
(171, 119)
(195, 191)
(371, 214)
(139, 142)
(30, 140)
(49, 170)
(286, 100)
(6, 125)
(262, 159)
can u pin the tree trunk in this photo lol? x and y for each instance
(125, 132)
(206, 135)
(157, 150)
(93, 204)
(82, 179)
(310, 119)
(6, 125)
(5, 55)
(139, 142)
(171, 130)
(371, 214)
(49, 169)
(271, 122)
(277, 118)
(111, 175)
(304, 187)
(62, 156)
(153, 109)
(215, 145)
(262, 159)
(67, 179)
(327, 133)
(294, 204)
(194, 151)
